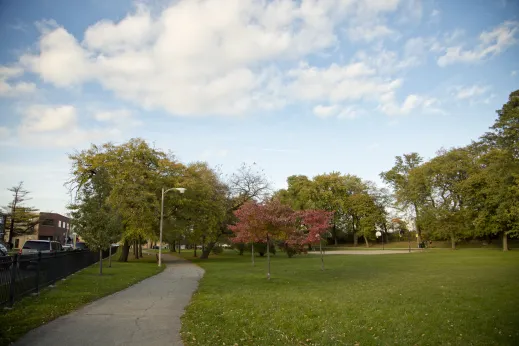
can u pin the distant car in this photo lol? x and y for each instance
(81, 246)
(68, 247)
(5, 259)
(43, 246)
(32, 247)
(3, 250)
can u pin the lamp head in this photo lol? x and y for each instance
(180, 189)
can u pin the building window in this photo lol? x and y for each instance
(48, 222)
(59, 223)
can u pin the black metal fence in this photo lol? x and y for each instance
(21, 275)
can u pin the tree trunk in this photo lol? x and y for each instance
(207, 250)
(174, 247)
(453, 242)
(505, 241)
(11, 231)
(335, 235)
(252, 254)
(355, 239)
(136, 249)
(268, 258)
(140, 250)
(110, 256)
(100, 262)
(124, 252)
(194, 255)
(366, 240)
(321, 251)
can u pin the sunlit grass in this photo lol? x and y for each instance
(466, 297)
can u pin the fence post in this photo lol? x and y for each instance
(38, 274)
(12, 290)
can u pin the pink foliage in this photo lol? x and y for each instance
(256, 222)
(317, 222)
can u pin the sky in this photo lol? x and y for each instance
(297, 87)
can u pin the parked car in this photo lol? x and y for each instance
(3, 250)
(68, 247)
(81, 246)
(5, 259)
(43, 246)
(32, 247)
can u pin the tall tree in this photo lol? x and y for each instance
(502, 158)
(93, 218)
(136, 174)
(446, 213)
(21, 218)
(410, 191)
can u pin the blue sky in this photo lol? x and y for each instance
(299, 87)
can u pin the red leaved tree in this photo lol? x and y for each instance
(263, 223)
(316, 223)
(250, 228)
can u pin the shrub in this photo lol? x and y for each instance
(217, 249)
(291, 250)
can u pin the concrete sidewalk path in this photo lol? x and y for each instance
(366, 252)
(147, 313)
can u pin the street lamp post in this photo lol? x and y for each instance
(380, 234)
(179, 189)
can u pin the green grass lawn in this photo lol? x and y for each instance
(465, 297)
(68, 295)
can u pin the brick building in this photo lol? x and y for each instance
(50, 226)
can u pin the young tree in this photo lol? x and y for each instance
(317, 223)
(264, 223)
(21, 218)
(93, 218)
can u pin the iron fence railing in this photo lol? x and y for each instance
(21, 275)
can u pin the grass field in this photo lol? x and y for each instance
(68, 295)
(466, 297)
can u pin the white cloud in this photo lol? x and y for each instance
(211, 57)
(48, 119)
(13, 89)
(491, 43)
(61, 126)
(435, 15)
(325, 111)
(469, 92)
(4, 132)
(411, 103)
(338, 111)
(369, 33)
(116, 116)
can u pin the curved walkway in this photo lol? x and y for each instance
(147, 313)
(366, 252)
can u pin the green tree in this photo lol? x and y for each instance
(136, 174)
(446, 214)
(493, 193)
(93, 218)
(411, 191)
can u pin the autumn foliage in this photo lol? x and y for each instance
(273, 221)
